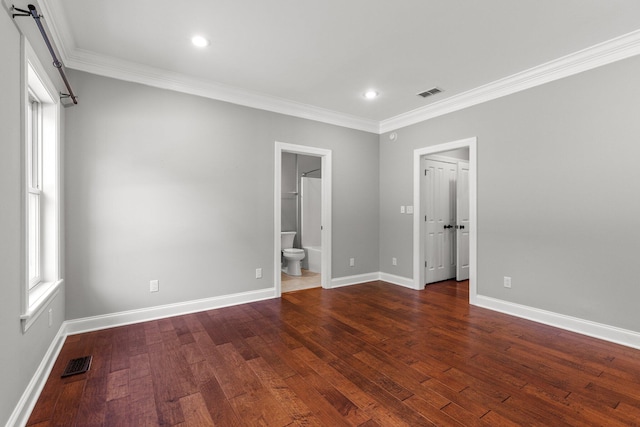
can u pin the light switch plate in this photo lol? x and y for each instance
(409, 209)
(154, 286)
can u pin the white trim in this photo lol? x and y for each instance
(354, 280)
(326, 242)
(36, 79)
(49, 293)
(29, 398)
(610, 51)
(604, 53)
(138, 73)
(94, 323)
(407, 282)
(418, 248)
(585, 327)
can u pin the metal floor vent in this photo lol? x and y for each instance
(432, 91)
(77, 366)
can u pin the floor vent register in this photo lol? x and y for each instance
(77, 366)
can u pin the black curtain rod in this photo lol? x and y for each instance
(56, 63)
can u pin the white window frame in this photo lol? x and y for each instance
(42, 264)
(34, 188)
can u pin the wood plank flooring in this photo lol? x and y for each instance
(365, 355)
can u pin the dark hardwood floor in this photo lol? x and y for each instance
(366, 355)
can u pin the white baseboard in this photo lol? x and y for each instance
(354, 280)
(88, 324)
(585, 327)
(397, 280)
(23, 409)
(370, 277)
(27, 402)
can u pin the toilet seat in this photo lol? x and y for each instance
(293, 251)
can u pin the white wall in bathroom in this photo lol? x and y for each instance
(311, 197)
(289, 200)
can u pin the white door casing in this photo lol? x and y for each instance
(326, 187)
(462, 221)
(418, 221)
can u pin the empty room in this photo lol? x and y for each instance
(296, 213)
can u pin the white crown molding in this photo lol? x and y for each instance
(56, 21)
(595, 56)
(150, 76)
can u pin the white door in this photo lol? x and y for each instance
(439, 199)
(462, 222)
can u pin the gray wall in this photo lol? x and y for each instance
(163, 185)
(558, 199)
(21, 353)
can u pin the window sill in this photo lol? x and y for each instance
(39, 297)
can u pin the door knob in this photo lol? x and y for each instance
(461, 227)
(448, 226)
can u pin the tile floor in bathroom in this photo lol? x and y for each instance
(296, 283)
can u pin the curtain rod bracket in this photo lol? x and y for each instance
(56, 63)
(22, 12)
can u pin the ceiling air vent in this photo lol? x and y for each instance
(433, 91)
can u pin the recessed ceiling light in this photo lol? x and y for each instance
(199, 41)
(371, 94)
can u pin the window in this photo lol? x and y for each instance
(34, 188)
(42, 255)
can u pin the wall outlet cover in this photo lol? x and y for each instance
(154, 286)
(352, 262)
(507, 282)
(258, 273)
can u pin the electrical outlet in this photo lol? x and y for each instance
(154, 286)
(258, 273)
(507, 282)
(410, 210)
(352, 262)
(50, 317)
(401, 209)
(394, 261)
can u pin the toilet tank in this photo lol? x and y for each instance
(286, 239)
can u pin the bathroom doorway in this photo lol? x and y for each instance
(302, 217)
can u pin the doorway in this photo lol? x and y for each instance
(324, 221)
(420, 226)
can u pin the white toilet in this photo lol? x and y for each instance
(292, 256)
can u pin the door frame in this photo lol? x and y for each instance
(418, 225)
(326, 166)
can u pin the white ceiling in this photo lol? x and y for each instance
(322, 55)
